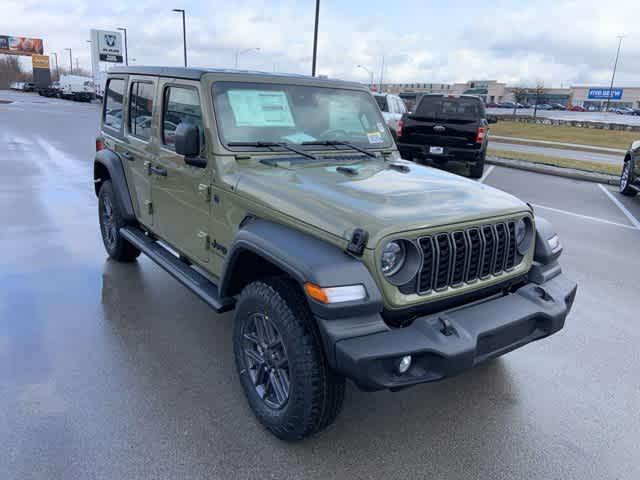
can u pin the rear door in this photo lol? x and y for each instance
(138, 151)
(447, 122)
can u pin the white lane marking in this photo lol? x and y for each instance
(585, 217)
(622, 208)
(487, 173)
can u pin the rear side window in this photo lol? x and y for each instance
(141, 109)
(443, 108)
(113, 104)
(382, 102)
(181, 105)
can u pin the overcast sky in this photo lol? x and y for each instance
(559, 42)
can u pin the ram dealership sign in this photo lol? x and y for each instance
(107, 45)
(605, 93)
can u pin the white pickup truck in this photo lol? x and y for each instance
(392, 108)
(76, 87)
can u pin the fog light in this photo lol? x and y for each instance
(404, 364)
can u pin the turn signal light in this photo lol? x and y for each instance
(99, 144)
(326, 295)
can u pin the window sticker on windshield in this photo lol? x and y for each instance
(299, 137)
(375, 137)
(380, 127)
(260, 108)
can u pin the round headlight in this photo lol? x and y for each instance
(393, 257)
(523, 234)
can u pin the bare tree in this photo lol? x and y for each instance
(538, 92)
(519, 95)
(10, 70)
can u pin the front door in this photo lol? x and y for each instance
(139, 150)
(181, 192)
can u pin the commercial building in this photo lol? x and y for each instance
(492, 91)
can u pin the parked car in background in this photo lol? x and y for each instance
(577, 108)
(624, 111)
(558, 106)
(53, 90)
(392, 108)
(492, 105)
(630, 176)
(636, 111)
(76, 87)
(29, 87)
(506, 105)
(544, 106)
(443, 129)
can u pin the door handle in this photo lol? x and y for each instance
(158, 170)
(128, 156)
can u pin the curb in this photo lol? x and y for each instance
(552, 170)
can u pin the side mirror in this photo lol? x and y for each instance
(187, 143)
(492, 119)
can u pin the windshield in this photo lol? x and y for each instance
(256, 112)
(455, 108)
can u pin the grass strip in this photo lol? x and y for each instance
(586, 166)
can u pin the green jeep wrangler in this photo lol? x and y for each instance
(283, 197)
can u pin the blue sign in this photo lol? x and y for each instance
(605, 93)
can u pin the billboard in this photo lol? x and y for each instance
(40, 61)
(107, 45)
(21, 45)
(605, 93)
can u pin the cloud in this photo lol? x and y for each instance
(560, 42)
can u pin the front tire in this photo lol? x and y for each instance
(283, 371)
(110, 223)
(625, 179)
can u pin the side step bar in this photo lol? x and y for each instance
(179, 270)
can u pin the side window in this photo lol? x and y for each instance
(112, 115)
(141, 109)
(401, 108)
(181, 104)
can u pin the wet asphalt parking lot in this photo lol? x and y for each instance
(117, 371)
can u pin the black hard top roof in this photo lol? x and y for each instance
(194, 73)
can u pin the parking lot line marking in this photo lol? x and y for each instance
(622, 208)
(486, 174)
(586, 217)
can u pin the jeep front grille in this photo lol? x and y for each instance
(451, 259)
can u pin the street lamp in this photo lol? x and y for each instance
(369, 72)
(613, 75)
(315, 40)
(126, 53)
(70, 62)
(93, 74)
(240, 52)
(184, 34)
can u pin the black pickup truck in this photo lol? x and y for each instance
(446, 128)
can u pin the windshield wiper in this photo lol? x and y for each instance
(340, 142)
(285, 145)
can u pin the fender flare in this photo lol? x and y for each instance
(306, 259)
(111, 162)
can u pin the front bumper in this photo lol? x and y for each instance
(445, 344)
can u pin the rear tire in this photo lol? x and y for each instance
(477, 170)
(111, 221)
(625, 179)
(314, 393)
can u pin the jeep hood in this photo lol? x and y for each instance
(372, 196)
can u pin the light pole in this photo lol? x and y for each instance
(369, 72)
(70, 62)
(240, 52)
(126, 53)
(315, 40)
(184, 33)
(93, 74)
(57, 69)
(613, 75)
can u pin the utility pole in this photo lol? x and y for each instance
(57, 69)
(184, 33)
(613, 75)
(70, 62)
(315, 40)
(126, 53)
(381, 73)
